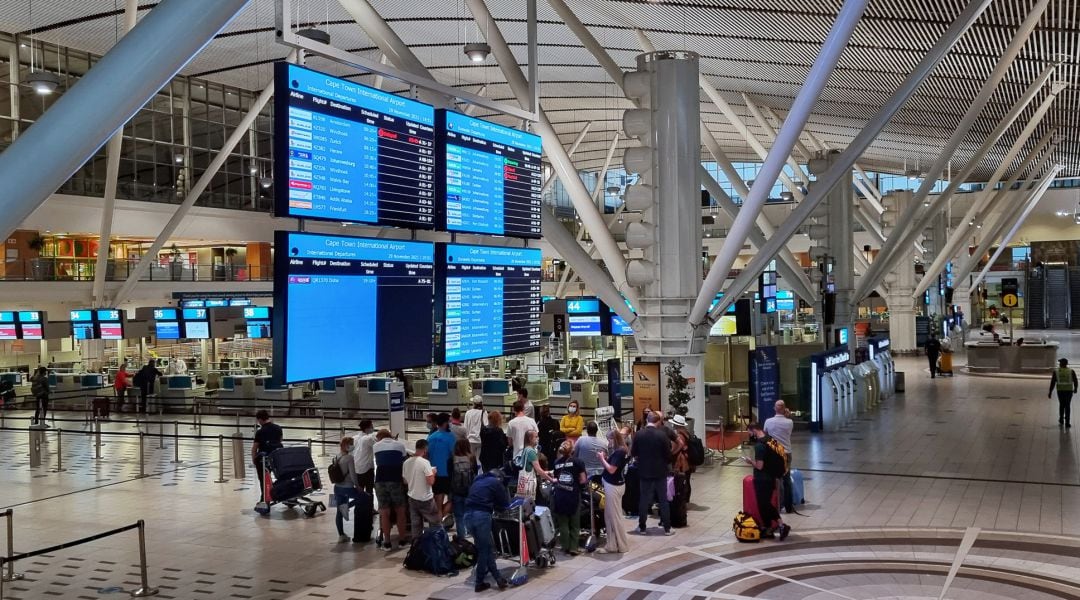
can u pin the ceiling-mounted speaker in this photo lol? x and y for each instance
(639, 196)
(636, 84)
(640, 234)
(640, 272)
(638, 159)
(637, 123)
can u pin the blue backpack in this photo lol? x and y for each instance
(432, 552)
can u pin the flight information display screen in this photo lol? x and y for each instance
(111, 330)
(619, 326)
(83, 330)
(30, 331)
(167, 330)
(488, 301)
(492, 177)
(8, 330)
(82, 315)
(347, 152)
(349, 305)
(197, 330)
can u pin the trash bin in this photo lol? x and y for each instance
(898, 377)
(239, 465)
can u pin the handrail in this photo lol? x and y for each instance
(140, 525)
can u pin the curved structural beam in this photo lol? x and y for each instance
(800, 111)
(858, 146)
(110, 93)
(550, 181)
(889, 254)
(610, 252)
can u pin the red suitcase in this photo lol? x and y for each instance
(749, 499)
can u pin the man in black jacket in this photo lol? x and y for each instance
(933, 350)
(144, 380)
(652, 451)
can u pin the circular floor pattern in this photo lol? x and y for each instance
(855, 564)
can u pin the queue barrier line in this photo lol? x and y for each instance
(144, 590)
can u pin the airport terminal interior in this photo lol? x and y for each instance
(789, 293)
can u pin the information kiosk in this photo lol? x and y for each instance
(827, 389)
(879, 354)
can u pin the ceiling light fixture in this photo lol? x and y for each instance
(178, 157)
(317, 35)
(43, 82)
(477, 51)
(266, 182)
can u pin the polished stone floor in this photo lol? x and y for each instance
(962, 487)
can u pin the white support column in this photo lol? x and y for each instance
(914, 225)
(1032, 203)
(800, 111)
(112, 172)
(610, 252)
(13, 85)
(901, 279)
(106, 97)
(196, 190)
(854, 150)
(982, 199)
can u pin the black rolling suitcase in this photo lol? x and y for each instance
(290, 462)
(632, 491)
(286, 489)
(507, 537)
(364, 516)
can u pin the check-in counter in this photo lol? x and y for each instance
(178, 392)
(237, 390)
(73, 390)
(1029, 358)
(374, 393)
(495, 391)
(626, 392)
(266, 390)
(720, 403)
(563, 391)
(446, 394)
(340, 393)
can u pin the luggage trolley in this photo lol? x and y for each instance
(520, 534)
(294, 478)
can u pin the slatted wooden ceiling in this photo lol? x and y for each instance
(761, 47)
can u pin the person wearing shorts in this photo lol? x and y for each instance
(390, 457)
(419, 477)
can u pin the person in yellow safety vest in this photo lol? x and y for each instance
(1064, 381)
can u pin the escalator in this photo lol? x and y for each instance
(1058, 302)
(1035, 301)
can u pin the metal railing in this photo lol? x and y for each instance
(8, 561)
(50, 268)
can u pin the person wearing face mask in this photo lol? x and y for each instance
(346, 492)
(572, 423)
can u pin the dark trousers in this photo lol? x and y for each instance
(932, 358)
(1064, 407)
(258, 463)
(479, 523)
(654, 489)
(763, 489)
(346, 495)
(42, 407)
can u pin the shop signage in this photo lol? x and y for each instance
(764, 381)
(646, 387)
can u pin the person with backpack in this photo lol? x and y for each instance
(39, 387)
(486, 495)
(342, 473)
(769, 466)
(493, 443)
(144, 380)
(779, 428)
(681, 469)
(1064, 381)
(570, 480)
(462, 474)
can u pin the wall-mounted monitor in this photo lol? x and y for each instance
(488, 301)
(107, 314)
(197, 330)
(30, 331)
(8, 329)
(83, 330)
(785, 300)
(491, 178)
(167, 330)
(195, 314)
(81, 315)
(620, 327)
(165, 314)
(30, 316)
(215, 303)
(257, 312)
(349, 305)
(111, 330)
(348, 152)
(193, 304)
(240, 302)
(587, 317)
(258, 329)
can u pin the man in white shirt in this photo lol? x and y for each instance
(419, 475)
(527, 405)
(779, 428)
(518, 426)
(475, 419)
(364, 456)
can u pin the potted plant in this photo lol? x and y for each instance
(176, 267)
(230, 254)
(677, 385)
(39, 266)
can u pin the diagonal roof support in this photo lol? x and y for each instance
(831, 50)
(550, 181)
(610, 252)
(107, 96)
(762, 122)
(914, 223)
(981, 201)
(1035, 197)
(871, 193)
(855, 149)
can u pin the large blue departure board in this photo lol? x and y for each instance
(491, 178)
(349, 305)
(488, 301)
(347, 152)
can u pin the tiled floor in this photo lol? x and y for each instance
(965, 475)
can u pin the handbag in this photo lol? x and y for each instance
(670, 487)
(526, 484)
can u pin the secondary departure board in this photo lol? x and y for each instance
(349, 305)
(347, 152)
(488, 301)
(491, 177)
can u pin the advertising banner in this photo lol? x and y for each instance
(764, 381)
(397, 408)
(647, 385)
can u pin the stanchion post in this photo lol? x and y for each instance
(97, 440)
(322, 433)
(309, 444)
(59, 452)
(221, 459)
(341, 421)
(145, 589)
(142, 454)
(176, 442)
(10, 574)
